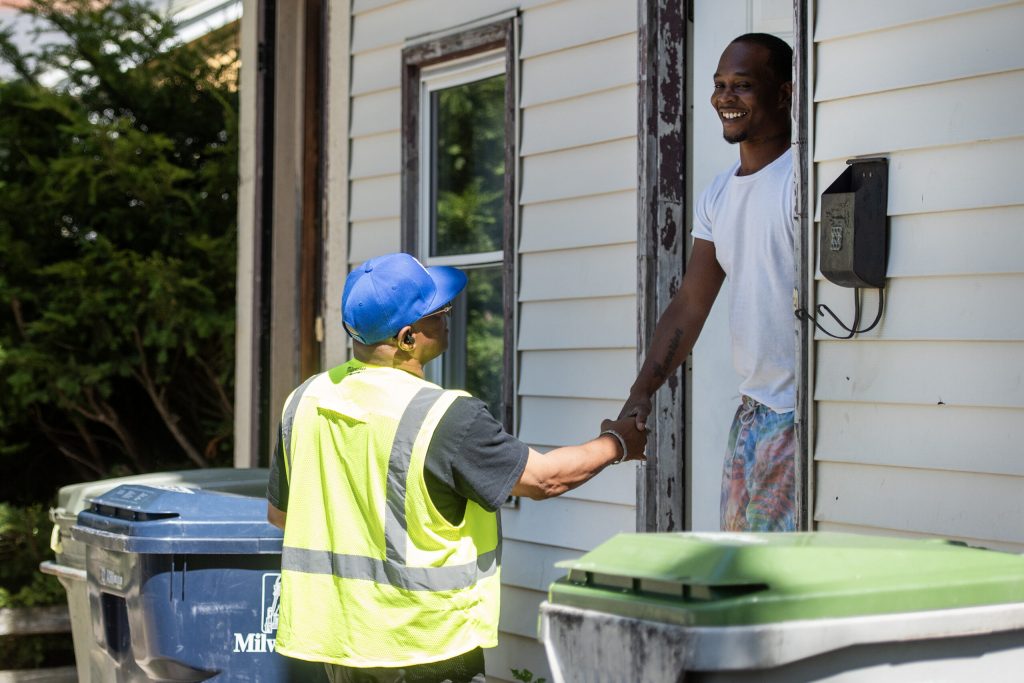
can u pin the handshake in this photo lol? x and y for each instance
(630, 428)
(632, 441)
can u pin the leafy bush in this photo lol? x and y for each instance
(37, 651)
(24, 543)
(117, 247)
(526, 676)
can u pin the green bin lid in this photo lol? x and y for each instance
(734, 579)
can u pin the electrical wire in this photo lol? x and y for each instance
(822, 309)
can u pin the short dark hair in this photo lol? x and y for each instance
(780, 59)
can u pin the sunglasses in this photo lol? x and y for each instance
(444, 310)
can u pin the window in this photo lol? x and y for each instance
(457, 209)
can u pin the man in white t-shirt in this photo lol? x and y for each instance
(744, 229)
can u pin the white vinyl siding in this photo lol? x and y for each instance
(571, 374)
(556, 324)
(376, 155)
(577, 276)
(377, 113)
(966, 46)
(580, 121)
(978, 507)
(576, 257)
(579, 222)
(374, 237)
(579, 71)
(595, 272)
(918, 423)
(558, 422)
(923, 436)
(372, 198)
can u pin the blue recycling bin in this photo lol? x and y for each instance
(183, 586)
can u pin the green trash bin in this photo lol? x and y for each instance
(778, 608)
(69, 565)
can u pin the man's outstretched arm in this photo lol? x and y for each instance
(553, 473)
(677, 329)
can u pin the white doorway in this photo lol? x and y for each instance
(713, 397)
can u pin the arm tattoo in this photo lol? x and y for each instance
(661, 369)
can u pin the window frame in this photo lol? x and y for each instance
(449, 74)
(427, 62)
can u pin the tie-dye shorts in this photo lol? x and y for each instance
(758, 480)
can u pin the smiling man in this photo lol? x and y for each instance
(744, 229)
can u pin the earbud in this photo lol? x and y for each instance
(408, 338)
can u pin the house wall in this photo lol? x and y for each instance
(576, 258)
(919, 422)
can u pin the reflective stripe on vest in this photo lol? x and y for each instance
(390, 573)
(393, 571)
(288, 421)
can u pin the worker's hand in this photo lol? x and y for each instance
(638, 406)
(635, 439)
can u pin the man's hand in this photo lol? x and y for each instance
(635, 439)
(637, 406)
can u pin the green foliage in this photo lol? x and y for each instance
(470, 220)
(36, 651)
(526, 676)
(24, 543)
(470, 166)
(485, 336)
(117, 246)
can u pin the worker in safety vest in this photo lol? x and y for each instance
(388, 490)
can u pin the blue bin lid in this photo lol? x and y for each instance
(176, 519)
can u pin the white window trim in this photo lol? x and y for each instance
(448, 75)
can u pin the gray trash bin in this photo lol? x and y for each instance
(776, 608)
(184, 585)
(69, 565)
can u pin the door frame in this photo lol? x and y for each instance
(664, 50)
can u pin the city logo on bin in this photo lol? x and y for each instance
(271, 601)
(269, 609)
(108, 577)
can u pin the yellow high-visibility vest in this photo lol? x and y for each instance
(372, 574)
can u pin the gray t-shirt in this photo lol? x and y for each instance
(470, 457)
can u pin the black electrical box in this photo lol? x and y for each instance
(854, 234)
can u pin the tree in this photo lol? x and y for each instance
(117, 243)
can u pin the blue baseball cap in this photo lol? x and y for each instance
(389, 292)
